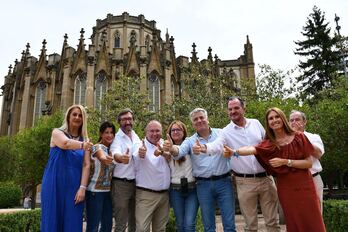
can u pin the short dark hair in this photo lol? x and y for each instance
(106, 125)
(242, 102)
(123, 112)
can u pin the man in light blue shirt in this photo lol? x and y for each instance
(212, 172)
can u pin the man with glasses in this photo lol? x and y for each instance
(123, 180)
(253, 183)
(212, 173)
(298, 122)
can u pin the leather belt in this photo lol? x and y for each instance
(315, 174)
(151, 190)
(213, 177)
(124, 179)
(190, 185)
(261, 174)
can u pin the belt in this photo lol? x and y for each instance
(261, 174)
(124, 179)
(213, 177)
(315, 174)
(190, 185)
(153, 191)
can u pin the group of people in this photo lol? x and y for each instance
(136, 181)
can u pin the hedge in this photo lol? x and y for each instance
(10, 194)
(26, 220)
(336, 215)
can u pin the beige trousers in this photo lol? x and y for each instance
(151, 208)
(250, 191)
(319, 187)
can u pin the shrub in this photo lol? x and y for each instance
(26, 220)
(171, 222)
(336, 215)
(10, 194)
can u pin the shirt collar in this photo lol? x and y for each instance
(247, 123)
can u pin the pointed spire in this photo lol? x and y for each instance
(82, 32)
(27, 50)
(248, 42)
(10, 69)
(44, 45)
(167, 36)
(216, 59)
(194, 57)
(171, 41)
(65, 40)
(210, 56)
(23, 55)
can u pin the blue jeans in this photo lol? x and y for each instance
(185, 206)
(99, 210)
(219, 191)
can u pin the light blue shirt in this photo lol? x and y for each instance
(205, 164)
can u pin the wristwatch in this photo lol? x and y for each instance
(289, 164)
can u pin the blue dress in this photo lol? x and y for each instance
(60, 183)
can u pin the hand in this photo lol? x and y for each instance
(277, 162)
(87, 145)
(228, 152)
(168, 144)
(80, 195)
(158, 151)
(167, 155)
(125, 157)
(198, 148)
(105, 159)
(142, 150)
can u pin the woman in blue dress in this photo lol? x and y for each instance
(64, 184)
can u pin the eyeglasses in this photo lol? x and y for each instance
(126, 119)
(176, 130)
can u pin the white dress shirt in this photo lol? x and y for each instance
(120, 145)
(235, 137)
(181, 170)
(316, 141)
(151, 172)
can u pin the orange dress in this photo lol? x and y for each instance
(296, 190)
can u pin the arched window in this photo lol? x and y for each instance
(154, 92)
(100, 90)
(117, 40)
(40, 97)
(80, 89)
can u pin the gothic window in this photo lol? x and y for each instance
(117, 40)
(40, 96)
(100, 90)
(154, 92)
(80, 89)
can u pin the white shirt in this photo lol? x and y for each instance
(235, 137)
(151, 172)
(120, 145)
(182, 170)
(316, 141)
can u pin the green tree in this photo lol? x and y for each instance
(273, 83)
(8, 159)
(322, 58)
(32, 146)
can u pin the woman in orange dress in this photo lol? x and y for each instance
(285, 154)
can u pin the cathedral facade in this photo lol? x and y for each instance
(121, 45)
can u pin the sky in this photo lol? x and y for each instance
(272, 25)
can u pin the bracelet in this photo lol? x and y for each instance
(82, 143)
(83, 187)
(235, 153)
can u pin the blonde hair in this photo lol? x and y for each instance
(83, 128)
(287, 128)
(181, 125)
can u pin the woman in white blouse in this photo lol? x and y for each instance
(183, 196)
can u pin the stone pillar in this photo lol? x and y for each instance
(90, 77)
